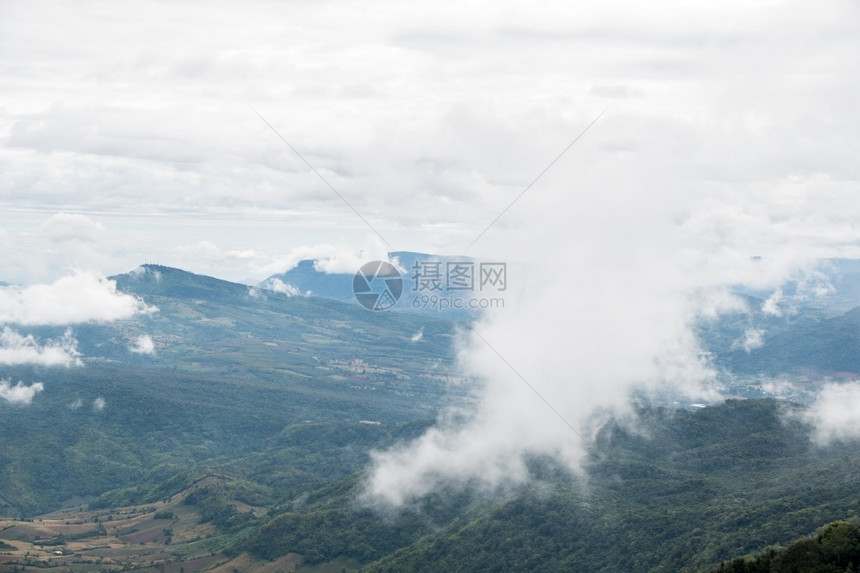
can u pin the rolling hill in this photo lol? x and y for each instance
(245, 427)
(230, 368)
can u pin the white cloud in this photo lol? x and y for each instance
(808, 284)
(99, 404)
(143, 345)
(779, 388)
(19, 393)
(753, 338)
(141, 271)
(345, 260)
(75, 404)
(17, 349)
(277, 285)
(207, 257)
(834, 415)
(604, 308)
(418, 335)
(329, 258)
(81, 297)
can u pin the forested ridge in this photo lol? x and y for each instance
(246, 438)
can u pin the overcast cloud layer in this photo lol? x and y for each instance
(128, 134)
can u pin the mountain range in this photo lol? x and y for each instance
(240, 440)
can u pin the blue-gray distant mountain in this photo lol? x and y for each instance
(805, 345)
(306, 279)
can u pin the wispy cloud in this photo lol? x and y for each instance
(752, 338)
(17, 349)
(277, 285)
(142, 271)
(332, 258)
(778, 388)
(143, 345)
(19, 393)
(833, 417)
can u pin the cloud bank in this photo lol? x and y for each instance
(613, 258)
(606, 310)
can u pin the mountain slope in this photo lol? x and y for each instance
(684, 492)
(828, 345)
(260, 409)
(835, 549)
(310, 278)
(230, 369)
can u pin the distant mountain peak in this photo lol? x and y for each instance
(153, 279)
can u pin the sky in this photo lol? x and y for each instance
(130, 134)
(707, 145)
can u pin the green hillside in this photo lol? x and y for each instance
(835, 549)
(703, 488)
(253, 419)
(826, 345)
(231, 370)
